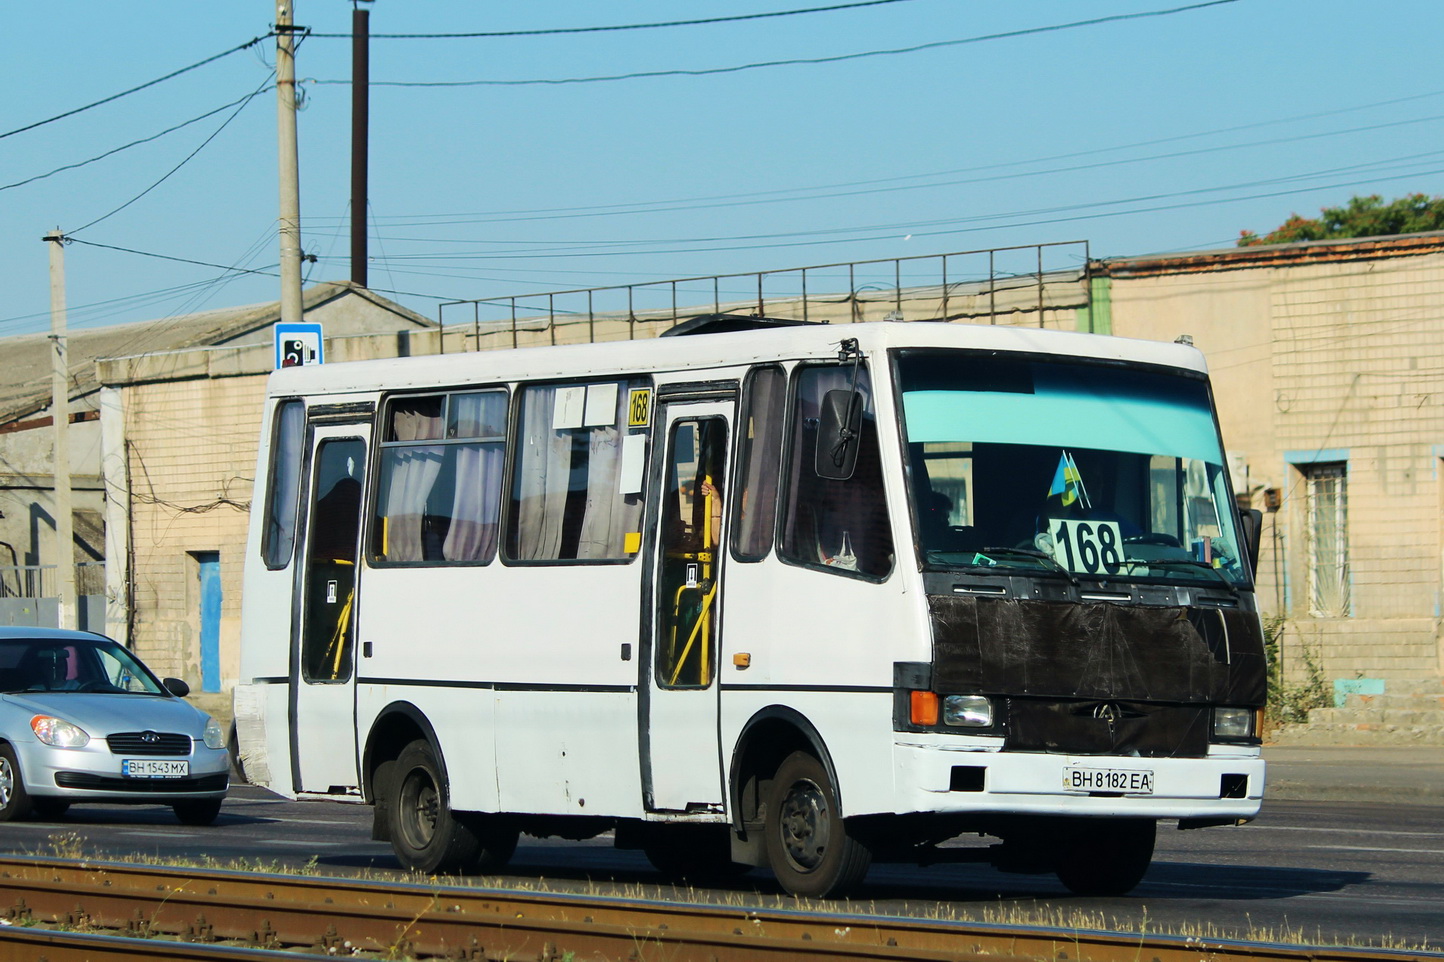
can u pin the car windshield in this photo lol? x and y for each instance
(1065, 467)
(77, 665)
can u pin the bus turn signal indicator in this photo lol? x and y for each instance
(923, 707)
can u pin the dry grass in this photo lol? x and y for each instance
(71, 845)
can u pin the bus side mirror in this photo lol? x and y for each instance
(838, 427)
(1252, 523)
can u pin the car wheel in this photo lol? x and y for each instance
(15, 801)
(198, 811)
(425, 834)
(808, 844)
(49, 807)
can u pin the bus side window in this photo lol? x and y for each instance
(278, 538)
(760, 455)
(839, 525)
(439, 490)
(573, 496)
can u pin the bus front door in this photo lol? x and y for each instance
(323, 670)
(681, 760)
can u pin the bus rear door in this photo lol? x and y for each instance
(323, 637)
(681, 760)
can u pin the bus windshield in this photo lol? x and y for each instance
(1078, 469)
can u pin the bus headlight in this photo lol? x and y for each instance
(967, 711)
(1233, 723)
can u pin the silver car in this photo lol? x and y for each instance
(82, 720)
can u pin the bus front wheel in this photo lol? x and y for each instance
(425, 834)
(808, 844)
(1106, 856)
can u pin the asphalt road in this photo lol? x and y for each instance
(1334, 870)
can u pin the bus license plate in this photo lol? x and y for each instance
(155, 767)
(1128, 781)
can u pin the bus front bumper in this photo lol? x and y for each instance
(947, 775)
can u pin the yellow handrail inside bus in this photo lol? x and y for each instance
(703, 624)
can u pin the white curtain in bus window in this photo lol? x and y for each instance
(841, 525)
(440, 487)
(568, 502)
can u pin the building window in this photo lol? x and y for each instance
(1327, 537)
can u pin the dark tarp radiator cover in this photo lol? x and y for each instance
(1101, 677)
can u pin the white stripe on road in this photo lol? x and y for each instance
(1361, 848)
(1344, 831)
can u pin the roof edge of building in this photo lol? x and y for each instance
(1272, 255)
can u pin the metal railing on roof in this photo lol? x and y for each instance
(960, 285)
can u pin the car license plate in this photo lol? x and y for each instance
(155, 767)
(1127, 781)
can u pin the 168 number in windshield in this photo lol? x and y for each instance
(1089, 547)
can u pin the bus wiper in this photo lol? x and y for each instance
(1192, 563)
(1043, 556)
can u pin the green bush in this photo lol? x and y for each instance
(1292, 701)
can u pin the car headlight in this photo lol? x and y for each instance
(58, 733)
(214, 737)
(968, 711)
(1233, 723)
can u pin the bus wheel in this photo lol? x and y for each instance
(808, 844)
(496, 839)
(425, 834)
(1105, 856)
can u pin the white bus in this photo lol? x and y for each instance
(794, 596)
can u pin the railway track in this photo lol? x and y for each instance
(116, 911)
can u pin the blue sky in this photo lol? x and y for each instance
(1159, 129)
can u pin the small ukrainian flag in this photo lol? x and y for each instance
(1068, 483)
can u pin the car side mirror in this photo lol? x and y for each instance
(176, 686)
(839, 425)
(1252, 523)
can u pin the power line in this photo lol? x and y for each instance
(133, 143)
(798, 61)
(126, 93)
(816, 193)
(167, 257)
(611, 28)
(693, 203)
(578, 246)
(946, 226)
(265, 85)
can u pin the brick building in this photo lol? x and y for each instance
(1328, 366)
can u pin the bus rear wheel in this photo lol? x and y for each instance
(808, 844)
(425, 834)
(1106, 856)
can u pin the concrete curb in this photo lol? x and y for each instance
(1412, 775)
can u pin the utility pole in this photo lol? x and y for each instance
(360, 134)
(60, 420)
(290, 212)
